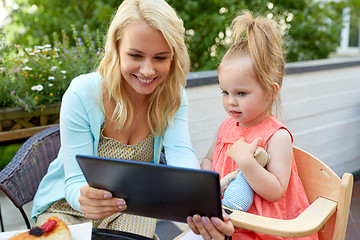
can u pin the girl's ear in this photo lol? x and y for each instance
(276, 89)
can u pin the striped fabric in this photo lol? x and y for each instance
(238, 194)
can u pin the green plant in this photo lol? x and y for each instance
(311, 28)
(7, 152)
(39, 76)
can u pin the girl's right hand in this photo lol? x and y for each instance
(213, 228)
(99, 204)
(242, 151)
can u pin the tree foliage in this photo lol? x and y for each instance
(311, 29)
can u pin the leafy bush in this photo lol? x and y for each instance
(38, 76)
(311, 28)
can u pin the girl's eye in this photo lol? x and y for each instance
(242, 93)
(224, 93)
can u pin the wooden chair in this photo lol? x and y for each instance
(328, 213)
(19, 180)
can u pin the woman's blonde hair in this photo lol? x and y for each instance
(165, 101)
(261, 39)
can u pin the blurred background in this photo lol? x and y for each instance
(312, 29)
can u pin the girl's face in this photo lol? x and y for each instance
(145, 58)
(243, 97)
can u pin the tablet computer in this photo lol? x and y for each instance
(155, 190)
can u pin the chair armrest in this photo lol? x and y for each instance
(307, 223)
(20, 178)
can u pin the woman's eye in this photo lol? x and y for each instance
(135, 55)
(224, 93)
(242, 93)
(160, 58)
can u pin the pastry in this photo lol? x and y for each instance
(53, 229)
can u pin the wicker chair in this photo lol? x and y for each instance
(19, 180)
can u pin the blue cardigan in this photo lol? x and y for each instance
(81, 116)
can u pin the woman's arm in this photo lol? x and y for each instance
(177, 143)
(270, 182)
(77, 118)
(76, 138)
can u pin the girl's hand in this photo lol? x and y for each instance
(242, 151)
(99, 204)
(213, 228)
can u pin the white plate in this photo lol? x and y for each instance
(78, 232)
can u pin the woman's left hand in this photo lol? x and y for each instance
(213, 228)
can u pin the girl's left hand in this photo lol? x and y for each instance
(213, 228)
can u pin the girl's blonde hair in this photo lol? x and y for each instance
(261, 39)
(166, 98)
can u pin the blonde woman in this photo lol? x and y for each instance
(134, 105)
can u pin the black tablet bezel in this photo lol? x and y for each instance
(155, 190)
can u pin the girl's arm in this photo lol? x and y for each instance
(207, 162)
(270, 182)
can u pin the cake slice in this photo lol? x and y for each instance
(53, 229)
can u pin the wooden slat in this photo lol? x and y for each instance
(16, 113)
(317, 178)
(21, 133)
(308, 222)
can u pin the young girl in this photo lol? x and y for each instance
(250, 77)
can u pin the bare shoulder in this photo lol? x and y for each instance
(280, 142)
(281, 136)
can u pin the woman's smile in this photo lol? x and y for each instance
(145, 80)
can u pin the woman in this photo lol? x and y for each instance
(132, 107)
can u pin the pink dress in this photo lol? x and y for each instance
(294, 200)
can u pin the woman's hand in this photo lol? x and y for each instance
(99, 204)
(213, 228)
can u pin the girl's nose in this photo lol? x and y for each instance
(147, 68)
(232, 101)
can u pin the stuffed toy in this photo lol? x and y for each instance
(237, 193)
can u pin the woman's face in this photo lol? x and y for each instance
(145, 58)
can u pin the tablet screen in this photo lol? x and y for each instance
(155, 190)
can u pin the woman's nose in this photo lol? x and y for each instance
(147, 68)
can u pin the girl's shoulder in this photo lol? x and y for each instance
(278, 127)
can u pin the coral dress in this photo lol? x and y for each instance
(294, 200)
